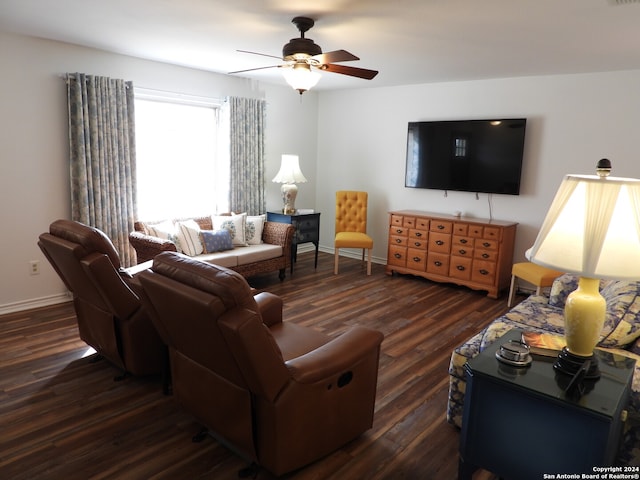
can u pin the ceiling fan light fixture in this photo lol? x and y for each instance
(301, 77)
(302, 56)
(300, 46)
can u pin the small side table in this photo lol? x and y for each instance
(307, 229)
(519, 424)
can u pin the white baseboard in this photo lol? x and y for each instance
(351, 253)
(35, 303)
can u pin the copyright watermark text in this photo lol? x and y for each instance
(599, 473)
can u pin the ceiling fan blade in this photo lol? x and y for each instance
(352, 71)
(335, 56)
(256, 53)
(254, 69)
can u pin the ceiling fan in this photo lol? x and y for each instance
(303, 57)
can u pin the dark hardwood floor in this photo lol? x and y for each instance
(62, 415)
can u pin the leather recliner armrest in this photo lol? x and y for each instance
(112, 287)
(336, 356)
(270, 307)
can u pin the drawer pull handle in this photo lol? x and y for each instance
(440, 227)
(462, 251)
(397, 255)
(399, 230)
(484, 272)
(463, 241)
(460, 267)
(485, 255)
(418, 234)
(398, 240)
(417, 244)
(437, 264)
(416, 259)
(439, 242)
(486, 244)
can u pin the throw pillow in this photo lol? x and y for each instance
(216, 240)
(167, 231)
(253, 229)
(189, 238)
(234, 223)
(561, 288)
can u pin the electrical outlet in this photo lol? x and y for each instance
(34, 267)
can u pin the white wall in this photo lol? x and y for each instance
(351, 139)
(34, 172)
(572, 122)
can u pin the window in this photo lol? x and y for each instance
(460, 147)
(180, 169)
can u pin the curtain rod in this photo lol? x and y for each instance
(157, 94)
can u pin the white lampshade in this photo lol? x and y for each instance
(592, 228)
(289, 171)
(301, 77)
(289, 174)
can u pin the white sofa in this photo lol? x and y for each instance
(258, 246)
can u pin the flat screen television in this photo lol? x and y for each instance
(466, 155)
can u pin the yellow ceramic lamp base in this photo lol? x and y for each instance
(584, 314)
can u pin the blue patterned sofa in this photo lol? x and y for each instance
(620, 334)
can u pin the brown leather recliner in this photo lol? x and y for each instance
(281, 395)
(110, 316)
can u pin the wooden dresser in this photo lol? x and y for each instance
(466, 251)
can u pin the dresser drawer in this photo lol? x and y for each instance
(483, 272)
(396, 220)
(487, 255)
(422, 223)
(439, 242)
(397, 230)
(463, 240)
(475, 231)
(492, 233)
(487, 244)
(409, 222)
(461, 250)
(417, 243)
(438, 263)
(460, 229)
(460, 267)
(398, 241)
(416, 234)
(397, 256)
(416, 259)
(440, 226)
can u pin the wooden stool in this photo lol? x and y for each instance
(530, 272)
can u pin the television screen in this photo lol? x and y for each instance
(467, 155)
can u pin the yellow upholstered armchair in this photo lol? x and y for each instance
(351, 225)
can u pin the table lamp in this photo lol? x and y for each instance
(289, 174)
(592, 229)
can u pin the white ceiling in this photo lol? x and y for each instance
(408, 41)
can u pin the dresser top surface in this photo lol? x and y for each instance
(452, 218)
